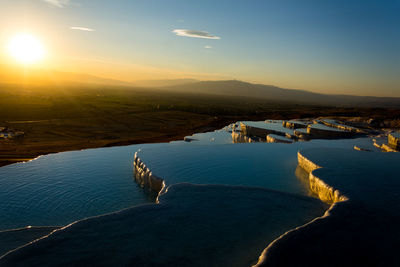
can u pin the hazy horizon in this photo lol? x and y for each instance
(330, 47)
(42, 78)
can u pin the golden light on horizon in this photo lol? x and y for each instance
(26, 49)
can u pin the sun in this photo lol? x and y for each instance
(26, 49)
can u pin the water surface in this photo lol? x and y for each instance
(58, 189)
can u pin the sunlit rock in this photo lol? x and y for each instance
(238, 137)
(341, 126)
(388, 148)
(293, 124)
(273, 138)
(322, 131)
(361, 149)
(302, 134)
(262, 129)
(394, 140)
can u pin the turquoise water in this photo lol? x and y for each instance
(58, 189)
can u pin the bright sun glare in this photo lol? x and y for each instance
(26, 49)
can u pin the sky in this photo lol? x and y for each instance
(328, 46)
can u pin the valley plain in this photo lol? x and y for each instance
(72, 117)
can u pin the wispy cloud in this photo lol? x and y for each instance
(58, 3)
(82, 29)
(207, 46)
(195, 34)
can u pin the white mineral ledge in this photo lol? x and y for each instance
(362, 226)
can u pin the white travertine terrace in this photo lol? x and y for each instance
(388, 148)
(294, 124)
(341, 126)
(361, 226)
(392, 145)
(302, 133)
(361, 148)
(238, 137)
(216, 218)
(145, 177)
(298, 129)
(262, 129)
(358, 228)
(324, 191)
(273, 138)
(394, 140)
(318, 130)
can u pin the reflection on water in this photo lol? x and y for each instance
(303, 177)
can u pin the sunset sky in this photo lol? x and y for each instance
(329, 46)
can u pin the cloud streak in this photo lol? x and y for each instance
(82, 29)
(195, 34)
(58, 3)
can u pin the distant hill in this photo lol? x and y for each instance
(18, 75)
(239, 88)
(163, 83)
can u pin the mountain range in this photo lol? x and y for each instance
(222, 88)
(274, 93)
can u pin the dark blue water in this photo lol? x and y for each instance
(252, 164)
(60, 188)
